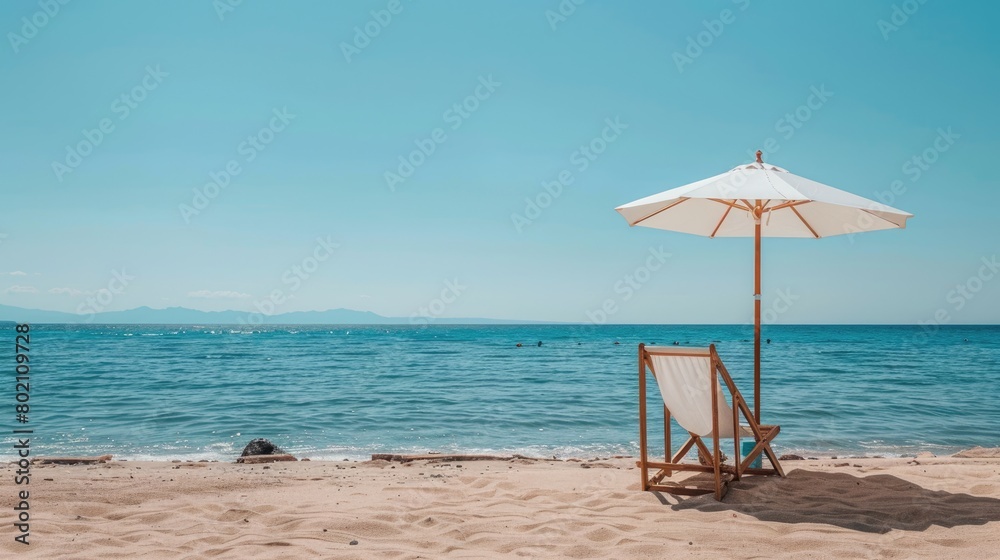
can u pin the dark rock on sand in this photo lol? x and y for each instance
(261, 446)
(791, 457)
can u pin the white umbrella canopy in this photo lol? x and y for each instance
(791, 206)
(761, 200)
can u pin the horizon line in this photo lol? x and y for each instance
(424, 321)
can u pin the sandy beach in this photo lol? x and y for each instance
(940, 507)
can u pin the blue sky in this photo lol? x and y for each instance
(309, 112)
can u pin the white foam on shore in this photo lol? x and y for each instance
(229, 453)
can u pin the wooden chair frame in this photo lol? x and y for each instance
(763, 435)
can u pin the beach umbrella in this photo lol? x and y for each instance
(761, 200)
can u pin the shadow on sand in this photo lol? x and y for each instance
(872, 504)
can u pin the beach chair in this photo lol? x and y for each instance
(688, 379)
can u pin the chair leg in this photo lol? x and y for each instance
(722, 490)
(763, 447)
(770, 453)
(736, 446)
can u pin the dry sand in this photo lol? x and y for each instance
(942, 507)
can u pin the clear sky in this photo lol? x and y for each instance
(189, 154)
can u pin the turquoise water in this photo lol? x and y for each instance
(194, 392)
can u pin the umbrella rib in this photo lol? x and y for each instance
(811, 230)
(718, 225)
(729, 204)
(637, 222)
(790, 204)
(877, 216)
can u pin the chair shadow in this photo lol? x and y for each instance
(871, 504)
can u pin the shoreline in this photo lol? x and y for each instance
(215, 457)
(942, 507)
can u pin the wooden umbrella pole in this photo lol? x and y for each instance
(756, 312)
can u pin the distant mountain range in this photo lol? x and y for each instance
(184, 316)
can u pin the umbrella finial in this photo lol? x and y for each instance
(759, 153)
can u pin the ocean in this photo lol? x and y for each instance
(156, 392)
